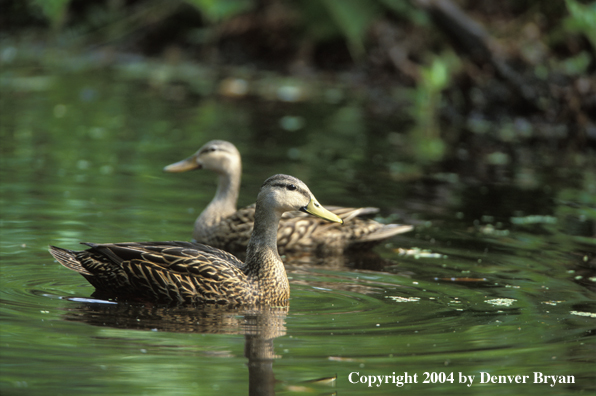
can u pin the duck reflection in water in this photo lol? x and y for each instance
(259, 325)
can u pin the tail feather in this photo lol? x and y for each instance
(384, 232)
(348, 214)
(68, 259)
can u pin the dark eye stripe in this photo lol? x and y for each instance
(286, 182)
(209, 149)
(290, 187)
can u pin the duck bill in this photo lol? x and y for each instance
(182, 166)
(316, 209)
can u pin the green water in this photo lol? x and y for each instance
(494, 290)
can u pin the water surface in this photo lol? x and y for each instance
(496, 277)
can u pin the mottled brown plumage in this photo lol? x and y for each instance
(222, 226)
(187, 272)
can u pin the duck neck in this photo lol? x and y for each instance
(263, 263)
(223, 204)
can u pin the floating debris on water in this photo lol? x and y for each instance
(462, 279)
(552, 302)
(403, 299)
(489, 229)
(341, 359)
(534, 219)
(504, 302)
(325, 380)
(587, 314)
(419, 253)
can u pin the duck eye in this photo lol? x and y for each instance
(291, 187)
(208, 150)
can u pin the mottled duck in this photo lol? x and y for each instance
(222, 226)
(187, 272)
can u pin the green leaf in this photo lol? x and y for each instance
(583, 18)
(54, 10)
(353, 17)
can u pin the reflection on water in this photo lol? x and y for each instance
(259, 325)
(365, 260)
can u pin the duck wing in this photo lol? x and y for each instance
(298, 231)
(179, 272)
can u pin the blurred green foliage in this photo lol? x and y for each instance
(425, 138)
(320, 19)
(400, 61)
(54, 10)
(582, 19)
(216, 10)
(353, 17)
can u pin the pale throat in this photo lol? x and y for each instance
(223, 203)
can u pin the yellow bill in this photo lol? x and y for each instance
(316, 209)
(182, 166)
